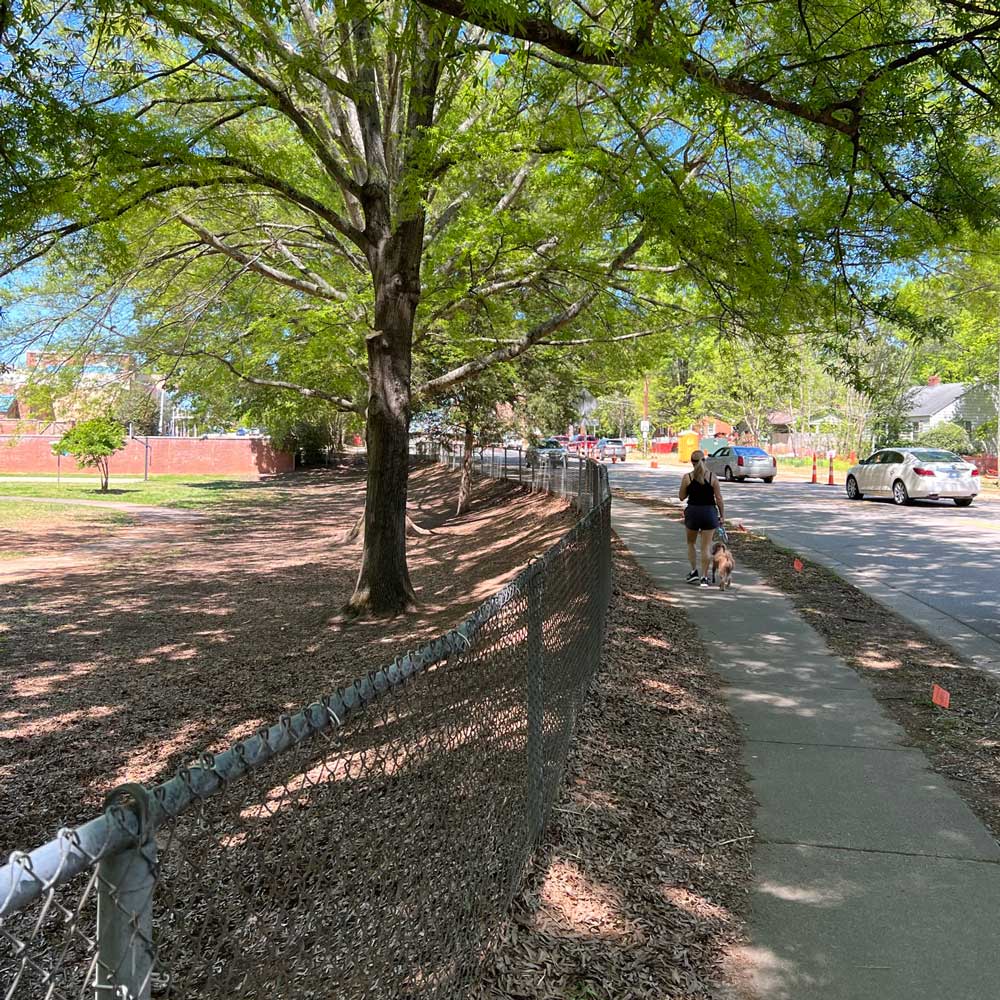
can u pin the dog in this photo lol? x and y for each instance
(723, 565)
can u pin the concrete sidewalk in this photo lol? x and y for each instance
(873, 880)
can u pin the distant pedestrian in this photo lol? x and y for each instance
(704, 513)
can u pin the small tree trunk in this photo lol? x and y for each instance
(465, 485)
(104, 466)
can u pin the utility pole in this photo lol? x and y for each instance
(644, 426)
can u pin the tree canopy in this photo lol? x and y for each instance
(368, 205)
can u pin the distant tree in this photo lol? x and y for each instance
(949, 436)
(616, 414)
(92, 443)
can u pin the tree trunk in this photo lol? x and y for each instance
(383, 586)
(465, 485)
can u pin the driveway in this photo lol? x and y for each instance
(933, 562)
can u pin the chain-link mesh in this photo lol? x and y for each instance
(575, 477)
(368, 846)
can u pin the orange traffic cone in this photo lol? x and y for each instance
(829, 481)
(653, 464)
(814, 479)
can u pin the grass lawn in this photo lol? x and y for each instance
(822, 462)
(189, 492)
(28, 520)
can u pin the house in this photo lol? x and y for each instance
(791, 435)
(968, 405)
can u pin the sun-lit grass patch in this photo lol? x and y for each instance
(29, 515)
(185, 492)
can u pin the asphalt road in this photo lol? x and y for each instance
(931, 555)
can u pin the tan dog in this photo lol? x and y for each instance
(723, 565)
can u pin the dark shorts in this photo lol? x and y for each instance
(701, 517)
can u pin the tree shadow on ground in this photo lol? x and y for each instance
(121, 666)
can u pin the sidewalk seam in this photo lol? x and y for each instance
(869, 850)
(834, 746)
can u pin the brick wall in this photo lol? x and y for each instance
(177, 456)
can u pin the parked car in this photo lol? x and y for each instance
(611, 448)
(742, 462)
(563, 439)
(907, 474)
(582, 444)
(547, 452)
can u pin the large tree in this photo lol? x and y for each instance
(274, 189)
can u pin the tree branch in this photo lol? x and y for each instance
(346, 405)
(318, 286)
(533, 337)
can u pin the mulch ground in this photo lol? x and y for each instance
(899, 661)
(140, 653)
(643, 878)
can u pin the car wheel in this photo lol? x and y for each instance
(853, 493)
(729, 475)
(963, 501)
(899, 494)
(769, 479)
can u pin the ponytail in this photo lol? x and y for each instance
(700, 472)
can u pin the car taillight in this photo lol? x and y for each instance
(924, 472)
(739, 459)
(975, 472)
(774, 461)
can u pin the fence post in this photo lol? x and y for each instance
(125, 911)
(536, 706)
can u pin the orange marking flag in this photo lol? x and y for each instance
(798, 565)
(940, 697)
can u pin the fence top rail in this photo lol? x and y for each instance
(28, 875)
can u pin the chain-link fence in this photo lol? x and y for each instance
(576, 477)
(367, 846)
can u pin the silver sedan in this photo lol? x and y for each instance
(546, 452)
(742, 462)
(907, 474)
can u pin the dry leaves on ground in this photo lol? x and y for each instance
(640, 884)
(122, 665)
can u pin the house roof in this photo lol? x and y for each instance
(927, 400)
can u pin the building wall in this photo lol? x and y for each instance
(976, 407)
(971, 410)
(174, 456)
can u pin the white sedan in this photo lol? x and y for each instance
(907, 474)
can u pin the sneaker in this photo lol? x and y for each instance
(692, 577)
(704, 581)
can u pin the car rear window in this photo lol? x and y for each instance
(751, 452)
(550, 443)
(933, 455)
(615, 441)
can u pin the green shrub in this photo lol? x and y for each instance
(948, 436)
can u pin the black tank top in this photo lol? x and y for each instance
(701, 494)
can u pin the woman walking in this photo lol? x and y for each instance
(704, 513)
